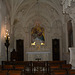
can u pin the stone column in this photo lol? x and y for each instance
(25, 43)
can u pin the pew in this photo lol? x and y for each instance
(56, 62)
(71, 72)
(39, 66)
(66, 66)
(50, 63)
(54, 67)
(59, 72)
(0, 67)
(28, 67)
(31, 67)
(7, 62)
(16, 62)
(20, 67)
(3, 72)
(7, 67)
(15, 72)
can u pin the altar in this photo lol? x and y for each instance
(38, 56)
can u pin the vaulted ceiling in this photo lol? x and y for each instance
(34, 10)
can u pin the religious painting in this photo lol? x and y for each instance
(70, 34)
(37, 33)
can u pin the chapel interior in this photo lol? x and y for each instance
(37, 31)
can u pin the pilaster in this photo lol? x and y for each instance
(0, 30)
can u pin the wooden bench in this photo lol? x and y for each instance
(59, 72)
(0, 67)
(34, 66)
(39, 66)
(71, 72)
(15, 72)
(56, 62)
(54, 67)
(7, 67)
(19, 67)
(66, 66)
(27, 65)
(3, 72)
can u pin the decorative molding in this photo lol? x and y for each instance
(67, 4)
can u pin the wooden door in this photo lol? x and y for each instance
(56, 49)
(20, 49)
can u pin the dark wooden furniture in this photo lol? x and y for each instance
(71, 72)
(7, 67)
(13, 56)
(66, 66)
(15, 72)
(36, 67)
(3, 72)
(59, 72)
(39, 67)
(54, 67)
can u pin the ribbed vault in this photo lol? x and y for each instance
(25, 10)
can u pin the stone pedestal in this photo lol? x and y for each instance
(72, 57)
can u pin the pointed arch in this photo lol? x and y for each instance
(70, 33)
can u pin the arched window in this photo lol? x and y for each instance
(37, 33)
(70, 34)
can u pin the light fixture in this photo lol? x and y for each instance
(7, 42)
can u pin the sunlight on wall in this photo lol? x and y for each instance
(3, 31)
